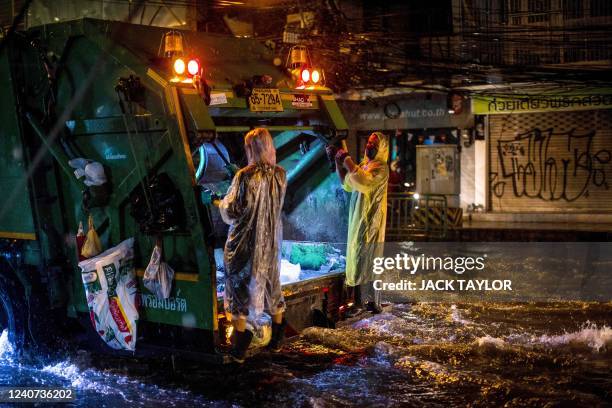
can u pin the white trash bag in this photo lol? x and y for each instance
(93, 171)
(289, 272)
(110, 287)
(159, 275)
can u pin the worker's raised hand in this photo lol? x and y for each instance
(341, 154)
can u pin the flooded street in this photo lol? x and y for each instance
(414, 355)
(410, 202)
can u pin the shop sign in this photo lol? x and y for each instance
(493, 105)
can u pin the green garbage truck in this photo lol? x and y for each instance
(161, 114)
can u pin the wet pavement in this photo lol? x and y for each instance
(424, 354)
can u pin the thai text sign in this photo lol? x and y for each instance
(492, 105)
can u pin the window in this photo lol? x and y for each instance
(573, 9)
(523, 57)
(598, 51)
(503, 13)
(514, 10)
(482, 12)
(555, 56)
(593, 51)
(487, 51)
(573, 54)
(539, 11)
(601, 8)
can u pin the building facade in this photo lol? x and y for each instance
(535, 71)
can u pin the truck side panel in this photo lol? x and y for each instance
(16, 221)
(146, 142)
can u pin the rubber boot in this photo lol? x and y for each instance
(278, 336)
(242, 342)
(373, 307)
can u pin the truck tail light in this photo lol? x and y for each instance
(193, 67)
(179, 66)
(316, 76)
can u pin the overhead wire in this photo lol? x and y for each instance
(481, 37)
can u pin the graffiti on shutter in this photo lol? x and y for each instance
(551, 162)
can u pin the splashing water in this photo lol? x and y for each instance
(6, 348)
(510, 353)
(118, 390)
(590, 335)
(92, 387)
(488, 341)
(421, 354)
(81, 380)
(456, 316)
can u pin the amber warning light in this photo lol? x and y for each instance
(179, 66)
(300, 66)
(308, 77)
(185, 71)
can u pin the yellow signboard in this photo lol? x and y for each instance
(265, 100)
(494, 105)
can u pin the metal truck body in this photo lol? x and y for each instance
(100, 90)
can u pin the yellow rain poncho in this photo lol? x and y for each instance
(367, 214)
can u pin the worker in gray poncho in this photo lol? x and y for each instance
(252, 208)
(367, 183)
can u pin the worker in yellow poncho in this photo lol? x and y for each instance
(367, 183)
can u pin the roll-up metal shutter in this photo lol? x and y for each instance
(551, 162)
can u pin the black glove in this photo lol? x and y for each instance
(341, 155)
(331, 151)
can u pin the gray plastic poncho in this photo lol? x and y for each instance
(367, 214)
(252, 208)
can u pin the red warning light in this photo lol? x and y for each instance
(193, 67)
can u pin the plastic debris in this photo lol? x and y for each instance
(92, 245)
(159, 275)
(91, 170)
(289, 272)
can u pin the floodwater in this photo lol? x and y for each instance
(423, 354)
